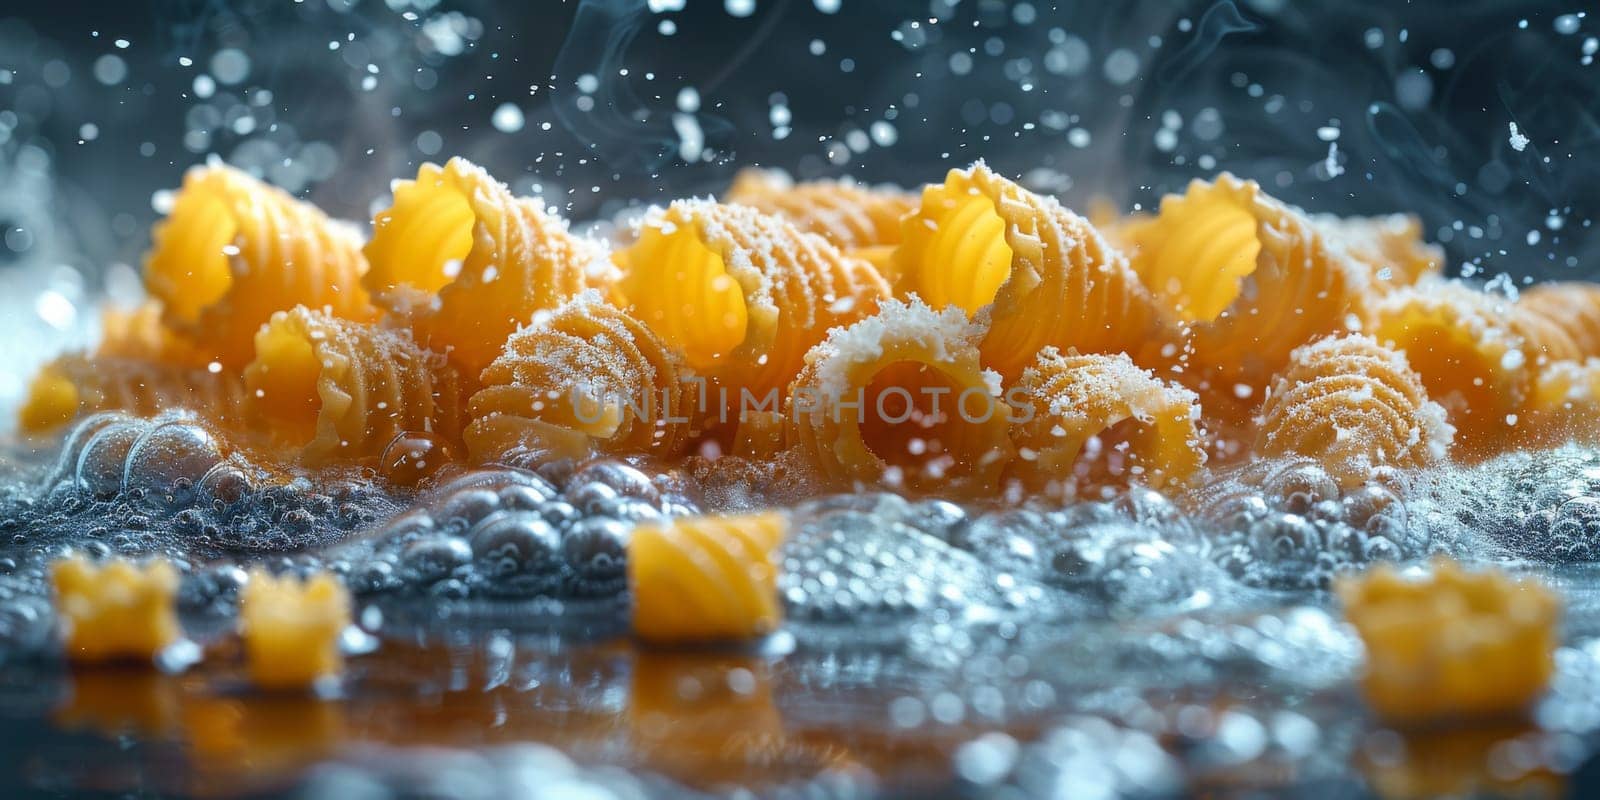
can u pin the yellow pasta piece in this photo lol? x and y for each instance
(706, 578)
(291, 628)
(1454, 644)
(1460, 340)
(980, 241)
(1561, 320)
(742, 295)
(588, 369)
(75, 385)
(338, 390)
(1389, 246)
(116, 610)
(140, 333)
(848, 214)
(469, 262)
(1097, 418)
(1356, 406)
(1254, 278)
(900, 398)
(235, 250)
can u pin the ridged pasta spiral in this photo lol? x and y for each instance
(1564, 403)
(979, 240)
(587, 373)
(848, 214)
(468, 262)
(1389, 246)
(1461, 341)
(235, 250)
(139, 333)
(1355, 405)
(1254, 278)
(1561, 320)
(1098, 418)
(706, 578)
(340, 390)
(75, 385)
(741, 294)
(927, 415)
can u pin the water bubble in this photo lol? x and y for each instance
(110, 69)
(507, 118)
(230, 66)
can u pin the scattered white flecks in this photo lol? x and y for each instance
(1519, 142)
(691, 140)
(1332, 161)
(507, 118)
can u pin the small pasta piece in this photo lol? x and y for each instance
(468, 262)
(139, 333)
(901, 399)
(340, 390)
(1356, 406)
(116, 610)
(1561, 320)
(707, 578)
(1097, 418)
(740, 294)
(291, 628)
(848, 214)
(1389, 246)
(1460, 340)
(1253, 277)
(234, 250)
(1454, 644)
(589, 373)
(74, 385)
(980, 241)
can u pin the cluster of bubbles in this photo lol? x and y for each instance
(506, 533)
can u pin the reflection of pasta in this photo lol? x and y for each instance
(587, 369)
(116, 610)
(235, 250)
(1355, 405)
(75, 385)
(1561, 320)
(1079, 405)
(844, 212)
(740, 294)
(471, 260)
(706, 578)
(1390, 246)
(1455, 644)
(925, 414)
(1471, 360)
(980, 240)
(139, 333)
(1254, 277)
(342, 390)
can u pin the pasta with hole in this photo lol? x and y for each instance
(901, 398)
(979, 241)
(740, 294)
(336, 390)
(234, 251)
(467, 262)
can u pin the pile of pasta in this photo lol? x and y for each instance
(969, 339)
